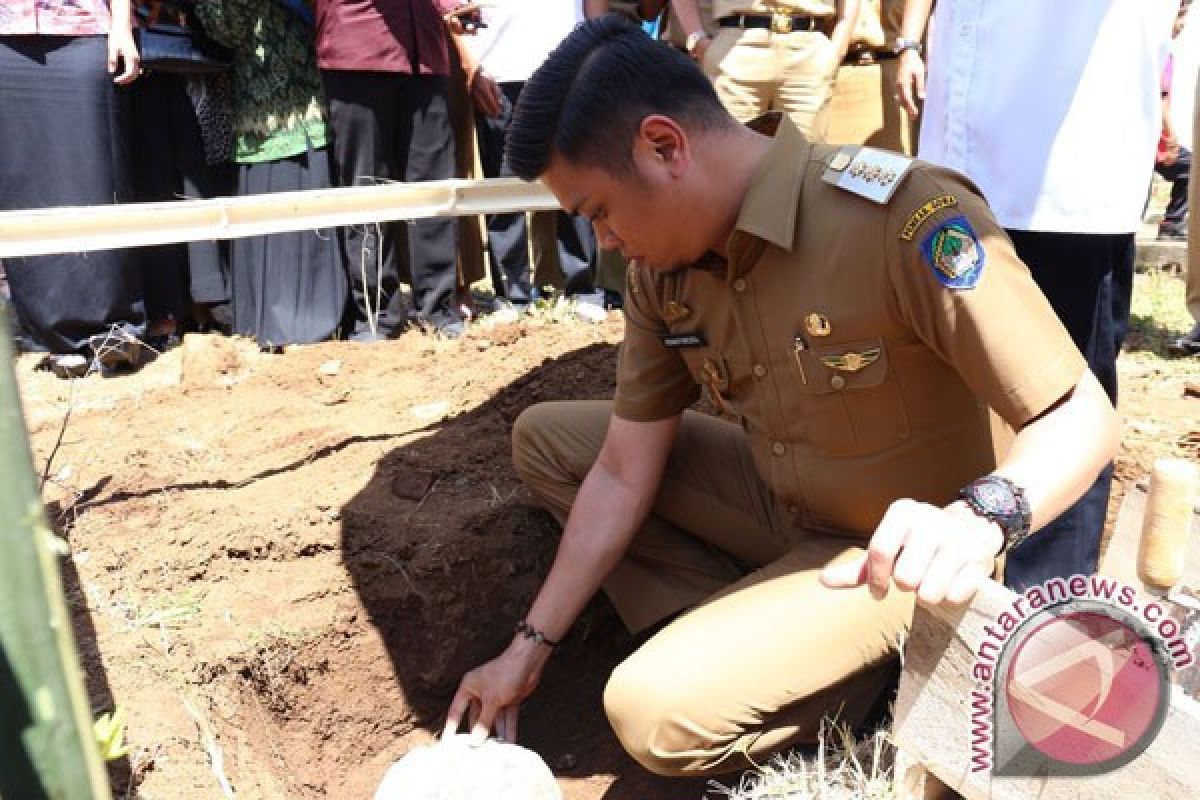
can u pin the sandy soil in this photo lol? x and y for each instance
(281, 565)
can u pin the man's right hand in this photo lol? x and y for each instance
(910, 81)
(490, 695)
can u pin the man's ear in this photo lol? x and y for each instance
(661, 139)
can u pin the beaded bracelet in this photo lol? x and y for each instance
(530, 632)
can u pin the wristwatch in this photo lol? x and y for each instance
(693, 39)
(999, 500)
(903, 44)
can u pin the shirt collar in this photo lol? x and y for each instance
(768, 212)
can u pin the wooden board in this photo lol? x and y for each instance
(933, 721)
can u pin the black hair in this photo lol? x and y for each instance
(593, 91)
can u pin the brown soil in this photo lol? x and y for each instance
(284, 563)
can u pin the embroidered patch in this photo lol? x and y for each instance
(925, 212)
(954, 252)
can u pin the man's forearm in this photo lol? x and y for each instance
(916, 17)
(602, 523)
(843, 27)
(1057, 457)
(595, 8)
(688, 14)
(613, 501)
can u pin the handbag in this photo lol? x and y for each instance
(174, 42)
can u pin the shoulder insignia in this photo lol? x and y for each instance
(955, 254)
(867, 172)
(918, 217)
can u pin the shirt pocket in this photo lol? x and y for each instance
(848, 403)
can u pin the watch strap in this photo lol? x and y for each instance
(1014, 521)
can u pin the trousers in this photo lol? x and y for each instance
(1088, 279)
(387, 126)
(762, 653)
(755, 70)
(508, 234)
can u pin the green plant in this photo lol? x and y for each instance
(46, 742)
(109, 730)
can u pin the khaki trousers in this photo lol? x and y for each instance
(1193, 251)
(766, 652)
(864, 111)
(755, 71)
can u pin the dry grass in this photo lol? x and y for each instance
(841, 768)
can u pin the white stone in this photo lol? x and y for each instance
(454, 770)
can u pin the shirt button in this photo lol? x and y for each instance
(778, 448)
(837, 382)
(760, 371)
(739, 285)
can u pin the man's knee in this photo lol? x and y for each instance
(558, 440)
(650, 716)
(528, 439)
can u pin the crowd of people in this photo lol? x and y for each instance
(152, 101)
(292, 94)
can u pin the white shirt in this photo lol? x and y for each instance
(520, 34)
(1186, 48)
(1051, 106)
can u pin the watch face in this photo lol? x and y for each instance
(995, 497)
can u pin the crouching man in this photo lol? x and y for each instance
(853, 315)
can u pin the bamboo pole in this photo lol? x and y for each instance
(70, 229)
(47, 749)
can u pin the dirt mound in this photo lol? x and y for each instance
(283, 563)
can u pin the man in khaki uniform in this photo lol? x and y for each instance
(852, 314)
(771, 55)
(862, 109)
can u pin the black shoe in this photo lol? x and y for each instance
(115, 349)
(68, 365)
(1188, 345)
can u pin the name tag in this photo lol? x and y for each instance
(677, 340)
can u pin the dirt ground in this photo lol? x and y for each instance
(281, 564)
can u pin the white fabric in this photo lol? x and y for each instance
(1183, 83)
(1051, 106)
(520, 34)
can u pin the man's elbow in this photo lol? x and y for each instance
(1106, 425)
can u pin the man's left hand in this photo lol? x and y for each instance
(943, 554)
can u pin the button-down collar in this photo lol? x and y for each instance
(768, 213)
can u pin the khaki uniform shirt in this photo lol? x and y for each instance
(814, 8)
(857, 374)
